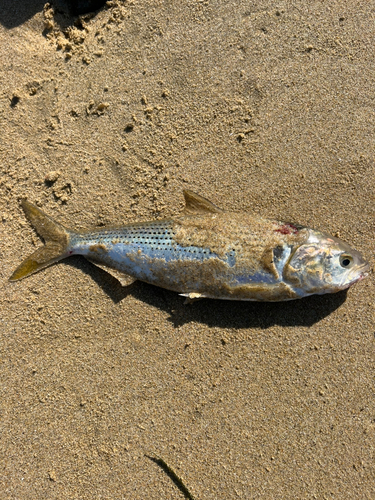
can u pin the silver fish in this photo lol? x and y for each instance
(206, 252)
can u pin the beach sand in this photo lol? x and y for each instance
(263, 106)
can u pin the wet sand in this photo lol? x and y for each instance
(105, 119)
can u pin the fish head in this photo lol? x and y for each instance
(324, 264)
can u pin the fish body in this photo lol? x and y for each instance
(207, 252)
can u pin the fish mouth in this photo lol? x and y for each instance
(360, 274)
(359, 278)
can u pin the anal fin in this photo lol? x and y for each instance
(123, 278)
(192, 297)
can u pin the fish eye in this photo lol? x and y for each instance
(346, 261)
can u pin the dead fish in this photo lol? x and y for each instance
(206, 252)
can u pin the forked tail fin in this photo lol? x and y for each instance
(56, 239)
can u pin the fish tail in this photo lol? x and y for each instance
(57, 242)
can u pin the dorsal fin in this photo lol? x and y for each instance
(196, 204)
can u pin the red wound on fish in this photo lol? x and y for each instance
(287, 229)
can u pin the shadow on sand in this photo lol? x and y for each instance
(217, 313)
(14, 13)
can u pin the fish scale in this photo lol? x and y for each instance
(207, 252)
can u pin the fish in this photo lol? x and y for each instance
(206, 252)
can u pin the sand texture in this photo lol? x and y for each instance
(260, 106)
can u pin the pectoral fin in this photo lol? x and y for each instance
(123, 278)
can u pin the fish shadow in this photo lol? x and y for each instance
(242, 314)
(217, 313)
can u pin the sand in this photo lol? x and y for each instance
(260, 106)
